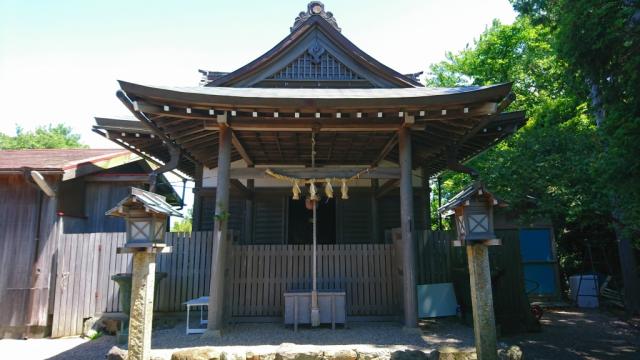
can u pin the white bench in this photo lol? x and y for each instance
(200, 302)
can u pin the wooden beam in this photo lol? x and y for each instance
(387, 187)
(308, 125)
(386, 150)
(237, 144)
(317, 173)
(238, 185)
(139, 178)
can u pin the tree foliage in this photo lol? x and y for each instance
(185, 224)
(549, 169)
(546, 168)
(44, 137)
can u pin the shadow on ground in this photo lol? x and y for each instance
(581, 334)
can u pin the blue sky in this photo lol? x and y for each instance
(59, 60)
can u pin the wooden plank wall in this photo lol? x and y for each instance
(262, 273)
(85, 264)
(433, 257)
(25, 254)
(259, 273)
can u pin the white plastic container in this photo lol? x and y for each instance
(588, 292)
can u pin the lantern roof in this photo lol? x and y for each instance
(138, 198)
(476, 189)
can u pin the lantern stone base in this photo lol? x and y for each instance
(140, 322)
(484, 325)
(211, 334)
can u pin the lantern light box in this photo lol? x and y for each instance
(472, 209)
(146, 215)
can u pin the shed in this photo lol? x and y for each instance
(43, 193)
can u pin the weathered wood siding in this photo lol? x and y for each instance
(259, 275)
(25, 254)
(97, 198)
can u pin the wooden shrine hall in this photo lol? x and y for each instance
(313, 120)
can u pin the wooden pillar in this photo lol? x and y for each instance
(141, 314)
(406, 225)
(248, 213)
(484, 325)
(425, 199)
(375, 222)
(216, 292)
(197, 200)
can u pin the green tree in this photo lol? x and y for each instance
(44, 137)
(185, 224)
(600, 42)
(549, 168)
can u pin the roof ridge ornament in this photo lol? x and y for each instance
(315, 8)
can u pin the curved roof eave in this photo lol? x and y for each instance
(326, 99)
(341, 40)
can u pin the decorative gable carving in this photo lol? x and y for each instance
(315, 8)
(316, 64)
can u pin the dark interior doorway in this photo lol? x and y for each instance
(300, 230)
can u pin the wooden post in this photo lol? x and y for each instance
(197, 199)
(425, 199)
(216, 292)
(484, 325)
(375, 224)
(406, 225)
(141, 314)
(248, 213)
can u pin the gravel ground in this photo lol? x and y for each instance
(567, 334)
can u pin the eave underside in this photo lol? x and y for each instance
(442, 132)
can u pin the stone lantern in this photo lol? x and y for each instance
(472, 209)
(146, 215)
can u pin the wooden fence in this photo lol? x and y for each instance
(259, 274)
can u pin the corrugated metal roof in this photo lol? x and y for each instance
(53, 159)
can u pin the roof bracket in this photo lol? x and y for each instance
(454, 165)
(172, 164)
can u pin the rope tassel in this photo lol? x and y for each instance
(313, 192)
(328, 190)
(296, 190)
(344, 189)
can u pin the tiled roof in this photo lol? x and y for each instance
(54, 159)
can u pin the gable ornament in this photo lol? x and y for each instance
(315, 8)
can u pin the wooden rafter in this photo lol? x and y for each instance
(237, 144)
(391, 144)
(387, 187)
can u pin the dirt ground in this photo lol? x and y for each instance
(579, 334)
(566, 334)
